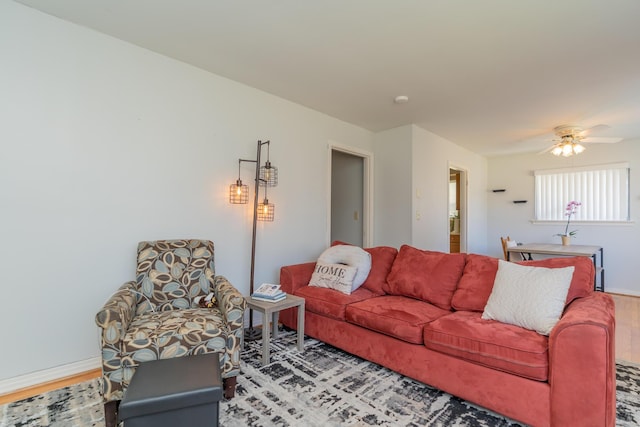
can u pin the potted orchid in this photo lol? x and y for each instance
(569, 212)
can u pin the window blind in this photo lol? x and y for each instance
(603, 191)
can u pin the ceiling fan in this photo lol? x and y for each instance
(571, 138)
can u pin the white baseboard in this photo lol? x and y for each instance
(40, 377)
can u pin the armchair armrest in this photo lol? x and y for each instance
(116, 314)
(114, 319)
(582, 363)
(230, 301)
(294, 277)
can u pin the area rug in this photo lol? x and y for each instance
(322, 386)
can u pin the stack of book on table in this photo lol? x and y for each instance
(269, 292)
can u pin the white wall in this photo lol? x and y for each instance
(432, 157)
(392, 187)
(515, 174)
(412, 179)
(105, 144)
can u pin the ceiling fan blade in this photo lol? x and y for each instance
(600, 140)
(594, 130)
(546, 150)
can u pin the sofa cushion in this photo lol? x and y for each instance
(479, 274)
(382, 258)
(583, 275)
(509, 348)
(425, 275)
(328, 302)
(530, 297)
(476, 283)
(397, 316)
(333, 276)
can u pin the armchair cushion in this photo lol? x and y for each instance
(166, 334)
(172, 273)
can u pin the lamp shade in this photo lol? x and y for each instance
(268, 175)
(238, 193)
(266, 211)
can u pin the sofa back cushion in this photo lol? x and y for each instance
(425, 275)
(382, 258)
(476, 283)
(583, 275)
(480, 271)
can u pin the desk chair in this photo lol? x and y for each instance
(507, 243)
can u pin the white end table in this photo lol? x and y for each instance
(271, 310)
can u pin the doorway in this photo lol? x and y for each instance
(457, 210)
(350, 201)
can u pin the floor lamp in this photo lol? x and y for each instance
(266, 176)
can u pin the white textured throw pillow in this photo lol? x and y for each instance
(333, 276)
(529, 297)
(353, 256)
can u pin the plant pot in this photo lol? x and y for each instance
(566, 240)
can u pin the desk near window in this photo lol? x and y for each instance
(561, 250)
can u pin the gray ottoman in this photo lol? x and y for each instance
(183, 391)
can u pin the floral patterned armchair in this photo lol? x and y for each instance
(157, 316)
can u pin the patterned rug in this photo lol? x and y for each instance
(323, 386)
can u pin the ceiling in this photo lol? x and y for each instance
(493, 76)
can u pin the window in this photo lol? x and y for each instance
(602, 190)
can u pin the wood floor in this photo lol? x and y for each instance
(627, 348)
(627, 328)
(48, 386)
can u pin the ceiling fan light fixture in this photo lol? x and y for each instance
(557, 150)
(571, 137)
(567, 147)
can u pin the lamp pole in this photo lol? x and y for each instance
(252, 333)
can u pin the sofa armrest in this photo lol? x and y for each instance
(116, 314)
(582, 363)
(230, 302)
(294, 277)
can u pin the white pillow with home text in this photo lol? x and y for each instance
(352, 256)
(333, 276)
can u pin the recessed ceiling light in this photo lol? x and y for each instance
(401, 99)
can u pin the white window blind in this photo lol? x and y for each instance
(603, 191)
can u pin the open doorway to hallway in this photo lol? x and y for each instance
(457, 210)
(350, 200)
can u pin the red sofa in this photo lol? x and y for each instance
(419, 314)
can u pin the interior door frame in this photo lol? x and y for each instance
(367, 191)
(464, 205)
